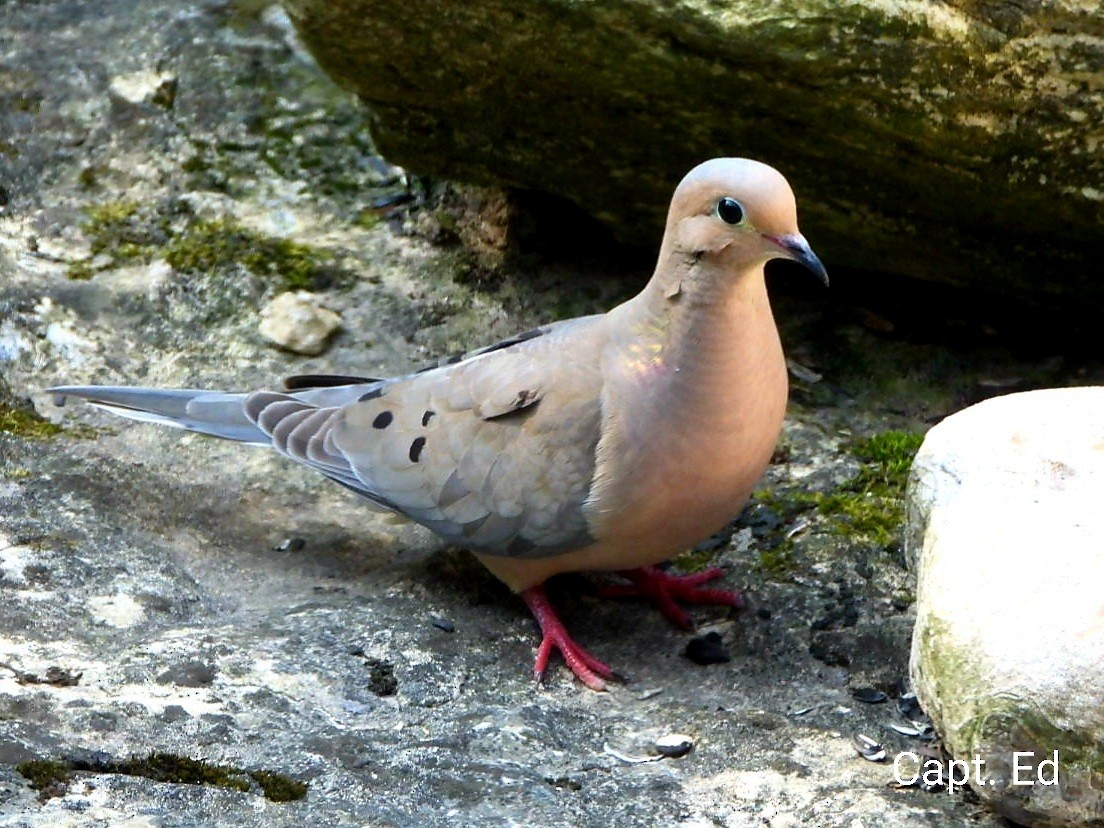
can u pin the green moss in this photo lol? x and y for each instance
(81, 271)
(124, 232)
(888, 457)
(869, 506)
(211, 245)
(87, 178)
(169, 767)
(195, 164)
(694, 560)
(25, 422)
(277, 787)
(43, 774)
(368, 218)
(116, 228)
(777, 562)
(27, 102)
(108, 215)
(867, 515)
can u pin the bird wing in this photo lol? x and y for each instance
(494, 452)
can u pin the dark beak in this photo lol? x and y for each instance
(795, 247)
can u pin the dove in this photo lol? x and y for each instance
(603, 443)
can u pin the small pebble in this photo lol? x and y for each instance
(909, 707)
(868, 749)
(145, 87)
(674, 745)
(443, 624)
(905, 730)
(868, 695)
(297, 322)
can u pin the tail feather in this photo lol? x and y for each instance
(213, 413)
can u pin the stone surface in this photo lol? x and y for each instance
(165, 593)
(297, 322)
(1007, 535)
(955, 141)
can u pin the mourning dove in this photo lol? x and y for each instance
(606, 442)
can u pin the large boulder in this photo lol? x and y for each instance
(954, 141)
(1007, 533)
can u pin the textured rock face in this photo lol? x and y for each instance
(1005, 522)
(956, 141)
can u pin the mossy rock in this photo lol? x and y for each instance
(953, 142)
(18, 417)
(124, 232)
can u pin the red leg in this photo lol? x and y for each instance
(589, 670)
(664, 588)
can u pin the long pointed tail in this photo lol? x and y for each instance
(214, 413)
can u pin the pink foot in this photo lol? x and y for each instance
(589, 670)
(663, 589)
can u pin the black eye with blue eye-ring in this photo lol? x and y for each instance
(730, 211)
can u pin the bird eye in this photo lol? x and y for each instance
(730, 211)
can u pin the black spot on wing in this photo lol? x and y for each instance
(383, 419)
(301, 382)
(416, 448)
(375, 393)
(427, 416)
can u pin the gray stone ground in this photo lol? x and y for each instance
(219, 604)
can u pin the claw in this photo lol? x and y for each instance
(588, 669)
(663, 589)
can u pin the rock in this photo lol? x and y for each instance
(295, 321)
(959, 131)
(146, 87)
(1006, 531)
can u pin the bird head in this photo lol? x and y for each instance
(736, 213)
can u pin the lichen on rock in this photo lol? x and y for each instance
(958, 132)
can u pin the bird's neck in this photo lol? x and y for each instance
(704, 371)
(690, 323)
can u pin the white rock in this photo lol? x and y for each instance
(74, 347)
(13, 343)
(14, 559)
(145, 87)
(119, 610)
(1006, 530)
(296, 321)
